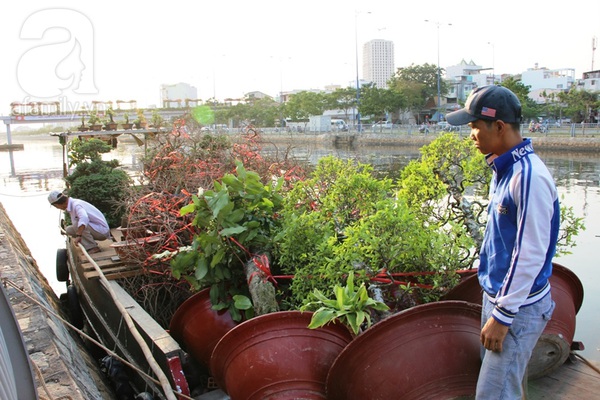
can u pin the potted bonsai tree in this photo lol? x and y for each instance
(94, 121)
(141, 122)
(110, 123)
(126, 124)
(83, 127)
(157, 120)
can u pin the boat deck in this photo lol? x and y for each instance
(108, 260)
(574, 380)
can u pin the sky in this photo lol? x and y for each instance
(76, 52)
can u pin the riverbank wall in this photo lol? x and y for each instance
(62, 368)
(589, 143)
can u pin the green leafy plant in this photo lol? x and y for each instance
(157, 119)
(99, 182)
(351, 306)
(111, 115)
(93, 118)
(344, 220)
(235, 220)
(141, 121)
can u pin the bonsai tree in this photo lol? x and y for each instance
(97, 181)
(141, 121)
(93, 119)
(415, 233)
(83, 127)
(157, 120)
(110, 122)
(111, 115)
(344, 220)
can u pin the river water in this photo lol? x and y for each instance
(27, 176)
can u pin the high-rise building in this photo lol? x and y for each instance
(378, 62)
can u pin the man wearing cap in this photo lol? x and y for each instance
(88, 222)
(519, 242)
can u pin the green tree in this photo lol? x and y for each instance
(96, 181)
(341, 99)
(529, 108)
(418, 85)
(378, 102)
(260, 112)
(580, 105)
(552, 106)
(304, 104)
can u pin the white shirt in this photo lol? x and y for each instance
(84, 213)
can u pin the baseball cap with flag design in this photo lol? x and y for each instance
(489, 103)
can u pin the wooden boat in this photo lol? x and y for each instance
(97, 300)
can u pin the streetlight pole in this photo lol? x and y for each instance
(439, 94)
(493, 63)
(357, 119)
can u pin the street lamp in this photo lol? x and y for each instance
(493, 62)
(439, 94)
(357, 118)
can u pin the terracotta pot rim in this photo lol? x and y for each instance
(455, 321)
(175, 326)
(574, 282)
(269, 327)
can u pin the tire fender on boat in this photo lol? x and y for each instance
(62, 268)
(75, 313)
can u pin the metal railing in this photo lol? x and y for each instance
(552, 130)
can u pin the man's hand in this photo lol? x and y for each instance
(493, 334)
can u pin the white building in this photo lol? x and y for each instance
(378, 62)
(590, 81)
(464, 77)
(175, 95)
(544, 78)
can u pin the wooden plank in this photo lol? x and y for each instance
(116, 234)
(107, 263)
(115, 273)
(574, 380)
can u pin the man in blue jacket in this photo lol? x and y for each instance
(519, 241)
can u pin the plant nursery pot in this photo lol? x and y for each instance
(467, 290)
(198, 328)
(554, 345)
(276, 356)
(430, 351)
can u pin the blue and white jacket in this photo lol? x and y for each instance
(521, 232)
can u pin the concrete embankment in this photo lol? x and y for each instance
(61, 367)
(548, 143)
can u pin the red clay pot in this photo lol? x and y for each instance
(430, 351)
(276, 356)
(554, 345)
(198, 328)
